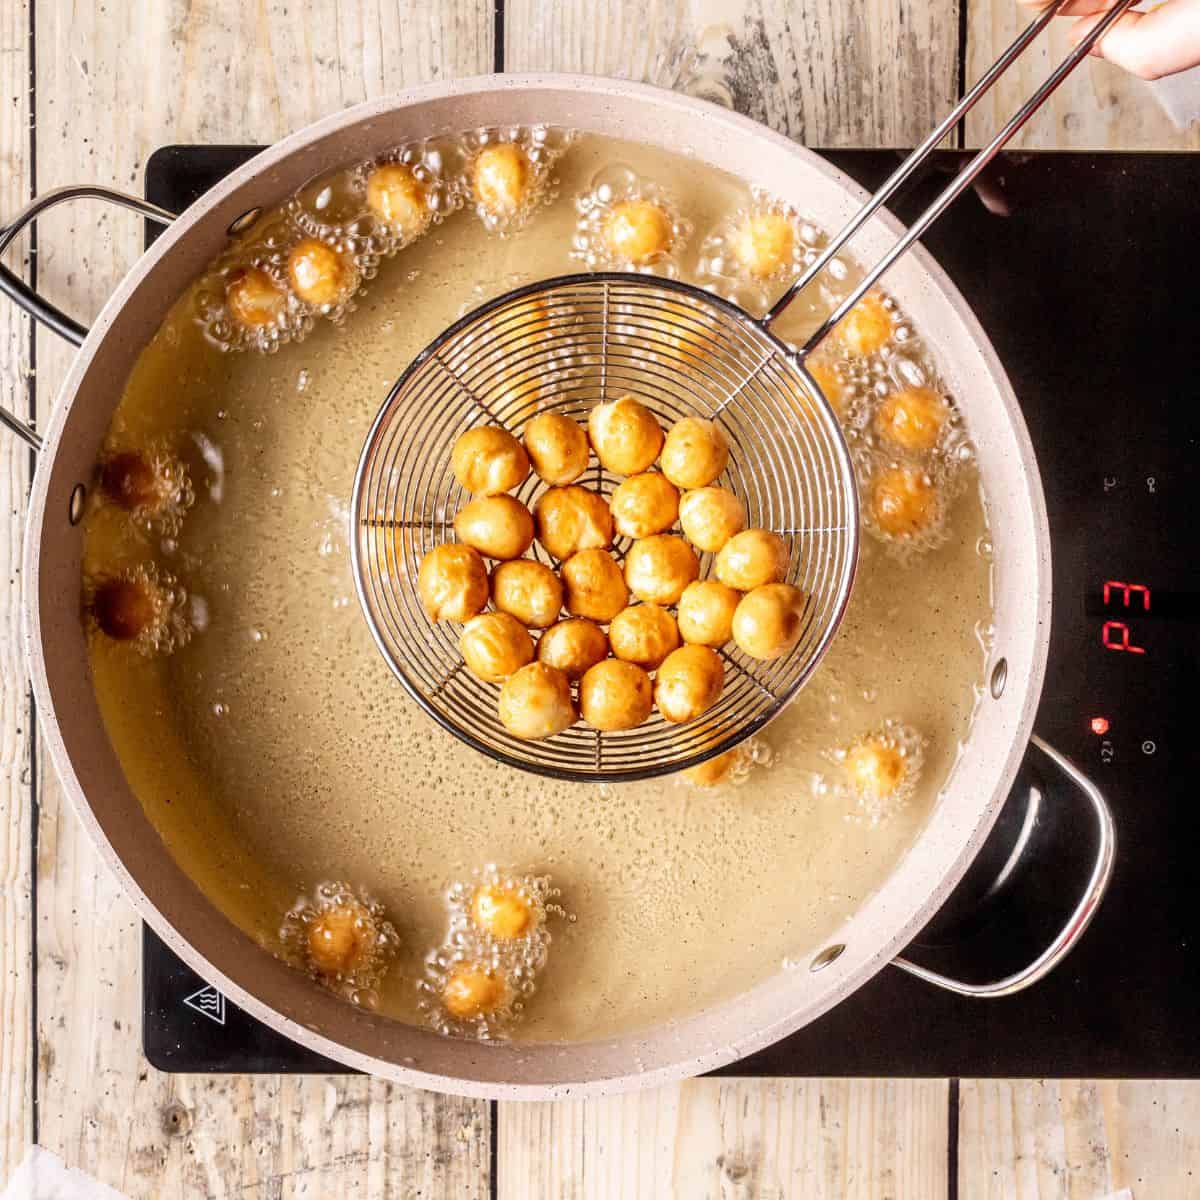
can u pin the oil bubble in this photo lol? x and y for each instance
(881, 769)
(629, 223)
(142, 607)
(341, 937)
(496, 944)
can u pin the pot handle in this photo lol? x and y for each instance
(1079, 919)
(37, 306)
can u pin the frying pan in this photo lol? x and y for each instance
(871, 938)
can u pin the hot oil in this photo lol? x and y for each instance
(275, 750)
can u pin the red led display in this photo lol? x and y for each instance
(1127, 590)
(1115, 635)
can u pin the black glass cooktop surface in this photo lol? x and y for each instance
(1081, 269)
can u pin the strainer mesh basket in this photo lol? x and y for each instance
(566, 346)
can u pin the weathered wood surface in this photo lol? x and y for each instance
(1097, 108)
(16, 930)
(732, 1138)
(115, 81)
(1078, 1139)
(870, 73)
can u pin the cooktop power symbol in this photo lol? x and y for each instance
(208, 1002)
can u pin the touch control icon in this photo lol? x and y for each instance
(208, 1002)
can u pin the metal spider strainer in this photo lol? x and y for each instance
(569, 343)
(565, 346)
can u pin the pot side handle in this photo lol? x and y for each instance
(1079, 919)
(37, 306)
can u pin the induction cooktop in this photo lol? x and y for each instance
(1081, 269)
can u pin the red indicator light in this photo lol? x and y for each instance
(1100, 726)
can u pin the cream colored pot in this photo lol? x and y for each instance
(871, 939)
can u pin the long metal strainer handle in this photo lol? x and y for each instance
(961, 181)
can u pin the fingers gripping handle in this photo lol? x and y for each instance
(961, 181)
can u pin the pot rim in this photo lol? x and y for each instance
(687, 1064)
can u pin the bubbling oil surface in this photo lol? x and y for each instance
(274, 750)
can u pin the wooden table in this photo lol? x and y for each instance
(89, 89)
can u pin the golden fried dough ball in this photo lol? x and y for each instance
(497, 526)
(319, 274)
(557, 447)
(573, 646)
(527, 590)
(712, 771)
(680, 332)
(706, 611)
(875, 768)
(573, 518)
(695, 452)
(615, 695)
(710, 516)
(644, 634)
(494, 645)
(866, 327)
(473, 990)
(487, 461)
(644, 505)
(526, 319)
(912, 418)
(339, 938)
(130, 482)
(500, 178)
(904, 501)
(768, 621)
(452, 583)
(658, 568)
(502, 911)
(751, 558)
(253, 298)
(525, 324)
(595, 587)
(763, 243)
(637, 231)
(123, 608)
(832, 386)
(535, 702)
(625, 436)
(396, 197)
(688, 683)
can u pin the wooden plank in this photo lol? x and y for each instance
(872, 73)
(833, 79)
(16, 931)
(732, 1138)
(106, 1111)
(113, 83)
(1079, 1139)
(1098, 108)
(829, 74)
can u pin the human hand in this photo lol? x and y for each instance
(1147, 44)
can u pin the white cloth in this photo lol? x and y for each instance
(44, 1176)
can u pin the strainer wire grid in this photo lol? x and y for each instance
(680, 351)
(435, 674)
